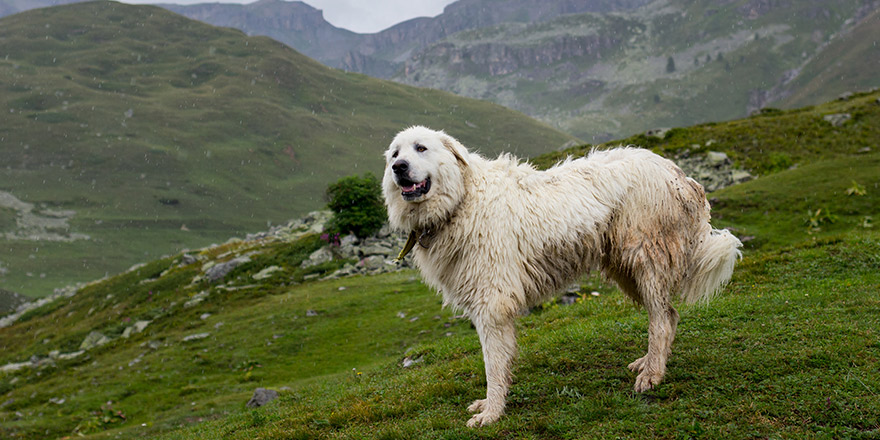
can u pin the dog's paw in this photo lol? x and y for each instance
(646, 381)
(477, 406)
(638, 365)
(484, 418)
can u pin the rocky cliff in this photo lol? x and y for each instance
(600, 69)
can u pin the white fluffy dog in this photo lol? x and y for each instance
(496, 237)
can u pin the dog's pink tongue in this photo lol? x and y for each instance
(408, 188)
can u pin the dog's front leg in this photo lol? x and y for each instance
(498, 339)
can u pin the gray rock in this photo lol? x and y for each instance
(837, 119)
(384, 231)
(409, 362)
(196, 337)
(717, 158)
(71, 355)
(349, 240)
(15, 366)
(92, 340)
(372, 263)
(316, 220)
(740, 176)
(261, 397)
(266, 273)
(376, 249)
(197, 298)
(320, 256)
(218, 271)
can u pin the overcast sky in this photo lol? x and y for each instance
(362, 16)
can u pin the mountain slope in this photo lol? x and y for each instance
(848, 63)
(603, 70)
(9, 7)
(380, 54)
(790, 349)
(130, 132)
(669, 63)
(293, 23)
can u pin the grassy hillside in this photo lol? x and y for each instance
(149, 132)
(790, 349)
(789, 352)
(771, 141)
(831, 72)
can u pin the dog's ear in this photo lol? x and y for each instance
(458, 150)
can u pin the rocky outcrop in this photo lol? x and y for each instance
(714, 170)
(261, 397)
(499, 58)
(837, 119)
(65, 292)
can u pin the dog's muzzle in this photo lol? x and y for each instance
(409, 189)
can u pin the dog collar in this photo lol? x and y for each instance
(410, 243)
(423, 238)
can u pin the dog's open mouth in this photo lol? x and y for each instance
(412, 190)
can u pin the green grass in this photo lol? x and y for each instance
(143, 121)
(259, 336)
(759, 362)
(788, 351)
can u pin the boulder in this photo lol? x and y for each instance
(195, 337)
(837, 119)
(266, 273)
(92, 340)
(376, 249)
(71, 355)
(384, 231)
(138, 327)
(717, 158)
(320, 256)
(372, 263)
(197, 298)
(261, 397)
(218, 271)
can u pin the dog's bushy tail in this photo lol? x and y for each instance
(711, 265)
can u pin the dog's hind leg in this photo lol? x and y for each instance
(498, 339)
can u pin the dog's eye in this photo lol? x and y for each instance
(421, 148)
(394, 156)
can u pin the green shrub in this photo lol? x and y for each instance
(357, 205)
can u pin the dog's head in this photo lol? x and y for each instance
(423, 177)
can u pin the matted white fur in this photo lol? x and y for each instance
(496, 237)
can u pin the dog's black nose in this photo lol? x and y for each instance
(400, 167)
